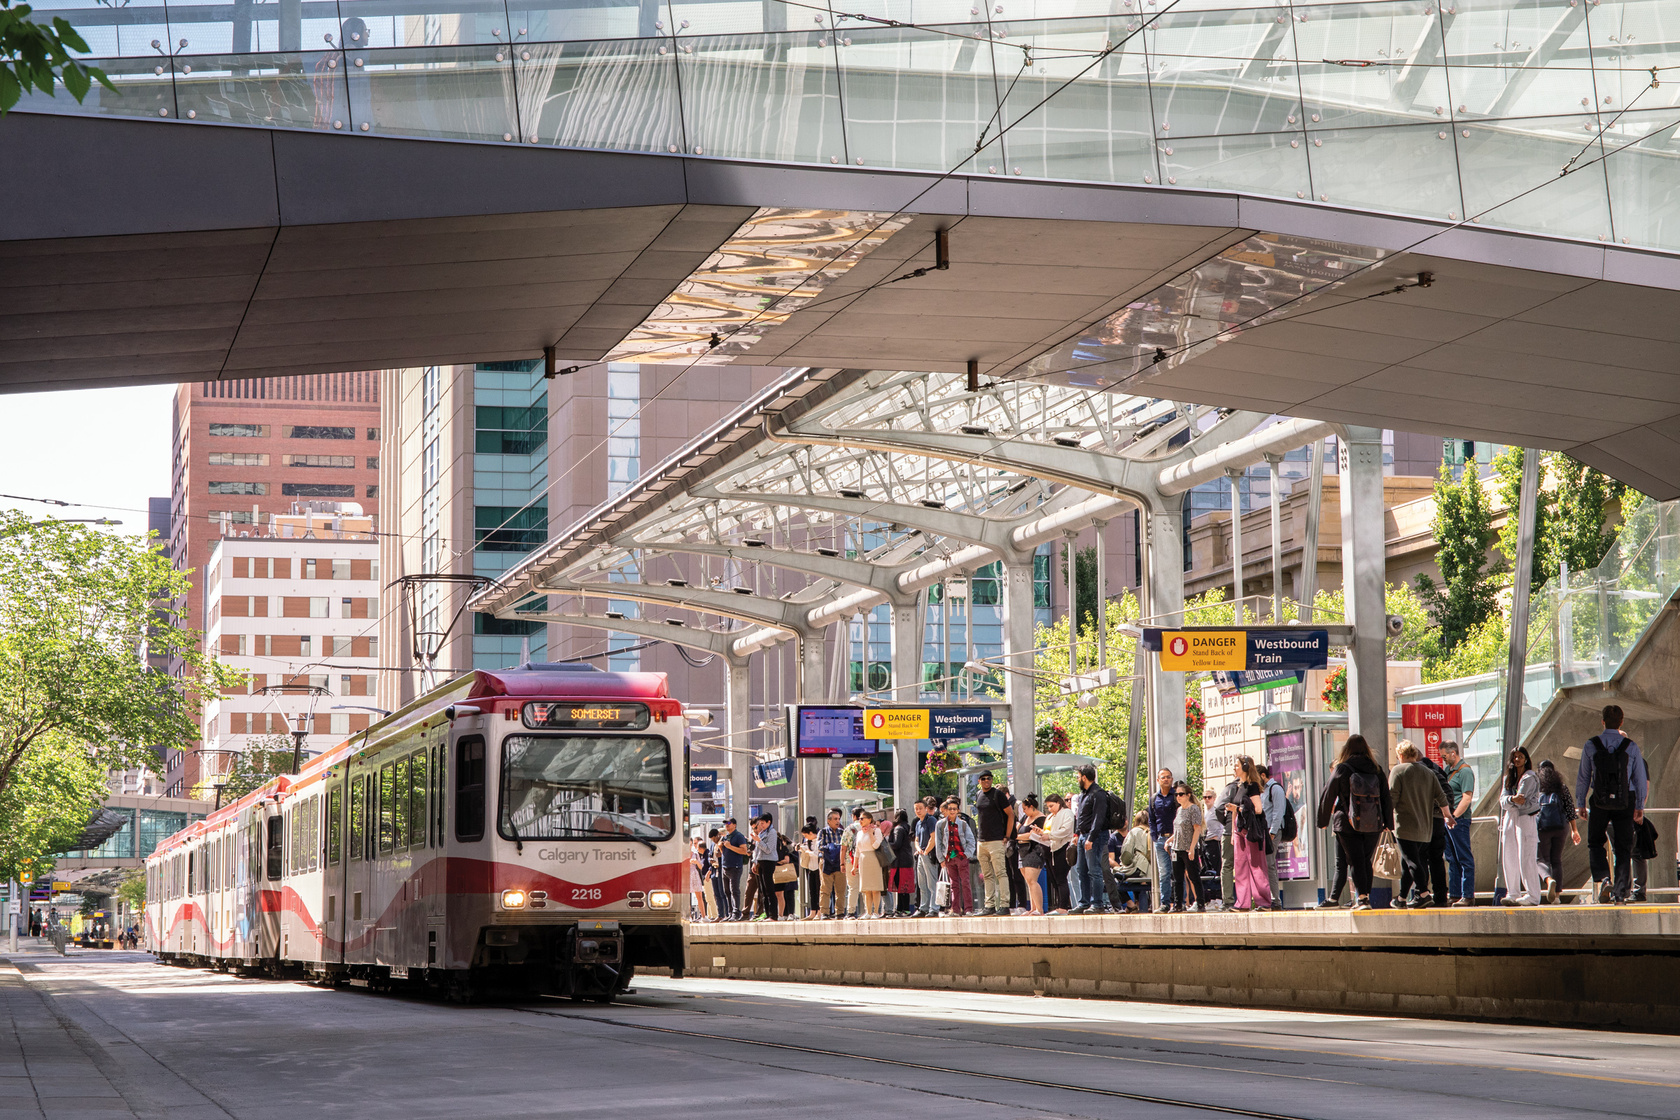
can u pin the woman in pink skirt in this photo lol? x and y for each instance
(1254, 891)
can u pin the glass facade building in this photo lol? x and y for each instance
(509, 495)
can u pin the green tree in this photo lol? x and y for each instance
(33, 55)
(1463, 531)
(263, 757)
(1417, 640)
(77, 618)
(132, 890)
(1483, 650)
(1508, 467)
(55, 790)
(1085, 585)
(1580, 533)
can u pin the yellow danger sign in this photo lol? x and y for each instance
(1204, 650)
(895, 723)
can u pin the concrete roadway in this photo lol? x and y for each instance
(111, 1034)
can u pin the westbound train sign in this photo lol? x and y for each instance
(936, 723)
(1239, 649)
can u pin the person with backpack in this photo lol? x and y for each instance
(1611, 783)
(927, 865)
(1091, 847)
(1355, 806)
(1417, 797)
(1555, 820)
(1519, 804)
(1278, 812)
(831, 893)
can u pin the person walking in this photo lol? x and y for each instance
(1188, 824)
(1519, 844)
(1163, 806)
(1273, 801)
(871, 879)
(1031, 854)
(1356, 807)
(953, 841)
(995, 816)
(1417, 799)
(1611, 783)
(1055, 830)
(927, 865)
(831, 895)
(1091, 828)
(1253, 890)
(901, 877)
(1554, 821)
(1461, 860)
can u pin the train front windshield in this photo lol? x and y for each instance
(580, 787)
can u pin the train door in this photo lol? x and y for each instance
(437, 894)
(358, 877)
(273, 866)
(332, 905)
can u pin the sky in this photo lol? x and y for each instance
(105, 448)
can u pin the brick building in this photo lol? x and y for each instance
(249, 449)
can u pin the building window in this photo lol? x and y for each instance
(511, 430)
(373, 647)
(319, 606)
(373, 462)
(341, 569)
(515, 627)
(1041, 578)
(317, 490)
(523, 365)
(373, 491)
(344, 608)
(259, 431)
(238, 458)
(316, 431)
(373, 434)
(341, 647)
(509, 528)
(318, 460)
(257, 488)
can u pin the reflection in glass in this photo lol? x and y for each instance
(278, 90)
(1406, 170)
(762, 97)
(462, 94)
(918, 99)
(145, 88)
(1502, 159)
(619, 94)
(577, 787)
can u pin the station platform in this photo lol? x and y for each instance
(1581, 965)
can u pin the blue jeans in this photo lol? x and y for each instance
(1461, 862)
(1089, 868)
(1163, 875)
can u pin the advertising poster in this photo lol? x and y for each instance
(1286, 753)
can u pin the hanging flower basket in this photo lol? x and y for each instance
(857, 775)
(939, 761)
(1194, 720)
(1052, 738)
(1335, 690)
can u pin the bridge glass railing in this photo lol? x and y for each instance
(1582, 626)
(1466, 110)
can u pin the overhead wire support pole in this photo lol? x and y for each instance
(1307, 588)
(1235, 475)
(1273, 461)
(1516, 665)
(1101, 528)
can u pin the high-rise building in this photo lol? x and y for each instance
(249, 449)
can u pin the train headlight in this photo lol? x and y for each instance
(513, 900)
(659, 900)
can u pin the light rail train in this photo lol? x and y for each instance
(516, 831)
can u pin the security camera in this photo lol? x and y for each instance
(1396, 625)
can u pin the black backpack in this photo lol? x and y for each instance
(1117, 821)
(1611, 788)
(1365, 802)
(1551, 812)
(1291, 827)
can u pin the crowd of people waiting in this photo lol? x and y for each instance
(1216, 850)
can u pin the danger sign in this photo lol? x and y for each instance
(1204, 650)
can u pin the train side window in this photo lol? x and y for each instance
(469, 788)
(399, 805)
(387, 791)
(335, 825)
(417, 799)
(440, 785)
(253, 852)
(276, 848)
(358, 816)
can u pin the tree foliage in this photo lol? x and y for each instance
(55, 789)
(132, 890)
(33, 55)
(1463, 530)
(264, 757)
(78, 615)
(1085, 585)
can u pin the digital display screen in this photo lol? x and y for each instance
(578, 716)
(829, 732)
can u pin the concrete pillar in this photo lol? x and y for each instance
(907, 689)
(1164, 569)
(813, 689)
(738, 698)
(1363, 568)
(1018, 686)
(1517, 656)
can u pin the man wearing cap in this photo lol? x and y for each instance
(994, 811)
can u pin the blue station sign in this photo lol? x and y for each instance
(946, 724)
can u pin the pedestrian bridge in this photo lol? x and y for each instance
(1222, 203)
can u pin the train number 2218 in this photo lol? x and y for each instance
(586, 894)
